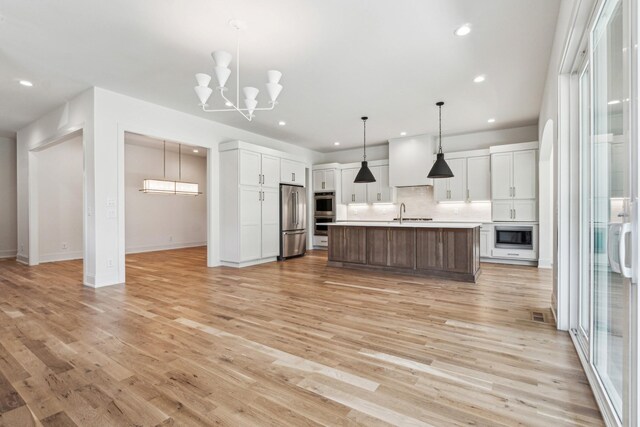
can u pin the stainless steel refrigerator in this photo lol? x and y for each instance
(293, 221)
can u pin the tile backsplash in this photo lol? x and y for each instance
(420, 202)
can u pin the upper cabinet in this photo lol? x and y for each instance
(259, 169)
(410, 160)
(452, 189)
(514, 178)
(380, 191)
(479, 178)
(292, 172)
(471, 178)
(352, 192)
(324, 180)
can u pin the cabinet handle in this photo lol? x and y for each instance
(514, 191)
(323, 185)
(293, 176)
(468, 194)
(514, 214)
(353, 197)
(378, 196)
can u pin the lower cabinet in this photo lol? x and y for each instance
(348, 244)
(444, 252)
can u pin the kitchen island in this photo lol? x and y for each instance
(442, 249)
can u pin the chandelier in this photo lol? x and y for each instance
(221, 70)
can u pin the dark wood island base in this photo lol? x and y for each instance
(451, 253)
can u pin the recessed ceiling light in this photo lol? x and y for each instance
(229, 104)
(26, 83)
(480, 78)
(491, 121)
(336, 143)
(282, 123)
(195, 151)
(403, 133)
(614, 102)
(463, 30)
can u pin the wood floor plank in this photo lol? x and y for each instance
(293, 343)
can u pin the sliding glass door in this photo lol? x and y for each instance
(606, 159)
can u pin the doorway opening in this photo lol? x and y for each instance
(164, 215)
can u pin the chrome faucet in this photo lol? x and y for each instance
(403, 208)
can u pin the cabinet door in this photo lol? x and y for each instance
(441, 189)
(292, 172)
(478, 178)
(525, 178)
(485, 243)
(348, 191)
(355, 239)
(386, 192)
(377, 246)
(429, 249)
(336, 243)
(373, 188)
(250, 223)
(250, 169)
(318, 180)
(525, 210)
(298, 174)
(501, 175)
(458, 249)
(501, 210)
(330, 180)
(270, 171)
(270, 222)
(402, 247)
(457, 184)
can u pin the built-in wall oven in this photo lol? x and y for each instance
(514, 237)
(324, 204)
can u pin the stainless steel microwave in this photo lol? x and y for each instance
(514, 237)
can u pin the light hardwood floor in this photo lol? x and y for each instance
(294, 343)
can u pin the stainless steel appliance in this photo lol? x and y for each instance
(293, 221)
(324, 204)
(514, 237)
(320, 227)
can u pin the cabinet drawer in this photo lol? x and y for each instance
(529, 255)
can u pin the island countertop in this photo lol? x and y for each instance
(426, 224)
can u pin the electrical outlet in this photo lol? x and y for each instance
(21, 248)
(109, 263)
(65, 246)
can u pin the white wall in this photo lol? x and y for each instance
(8, 198)
(377, 152)
(158, 221)
(60, 205)
(104, 117)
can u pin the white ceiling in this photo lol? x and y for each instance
(388, 59)
(157, 144)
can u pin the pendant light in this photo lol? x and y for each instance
(164, 186)
(440, 168)
(364, 174)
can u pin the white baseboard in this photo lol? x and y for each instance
(60, 256)
(155, 248)
(545, 263)
(22, 259)
(508, 261)
(8, 253)
(247, 263)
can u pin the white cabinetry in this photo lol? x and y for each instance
(352, 192)
(452, 189)
(514, 181)
(292, 172)
(250, 207)
(486, 240)
(407, 157)
(379, 191)
(324, 180)
(478, 178)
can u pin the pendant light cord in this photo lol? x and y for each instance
(440, 128)
(164, 159)
(364, 122)
(179, 162)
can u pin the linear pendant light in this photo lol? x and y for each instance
(364, 174)
(165, 186)
(440, 168)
